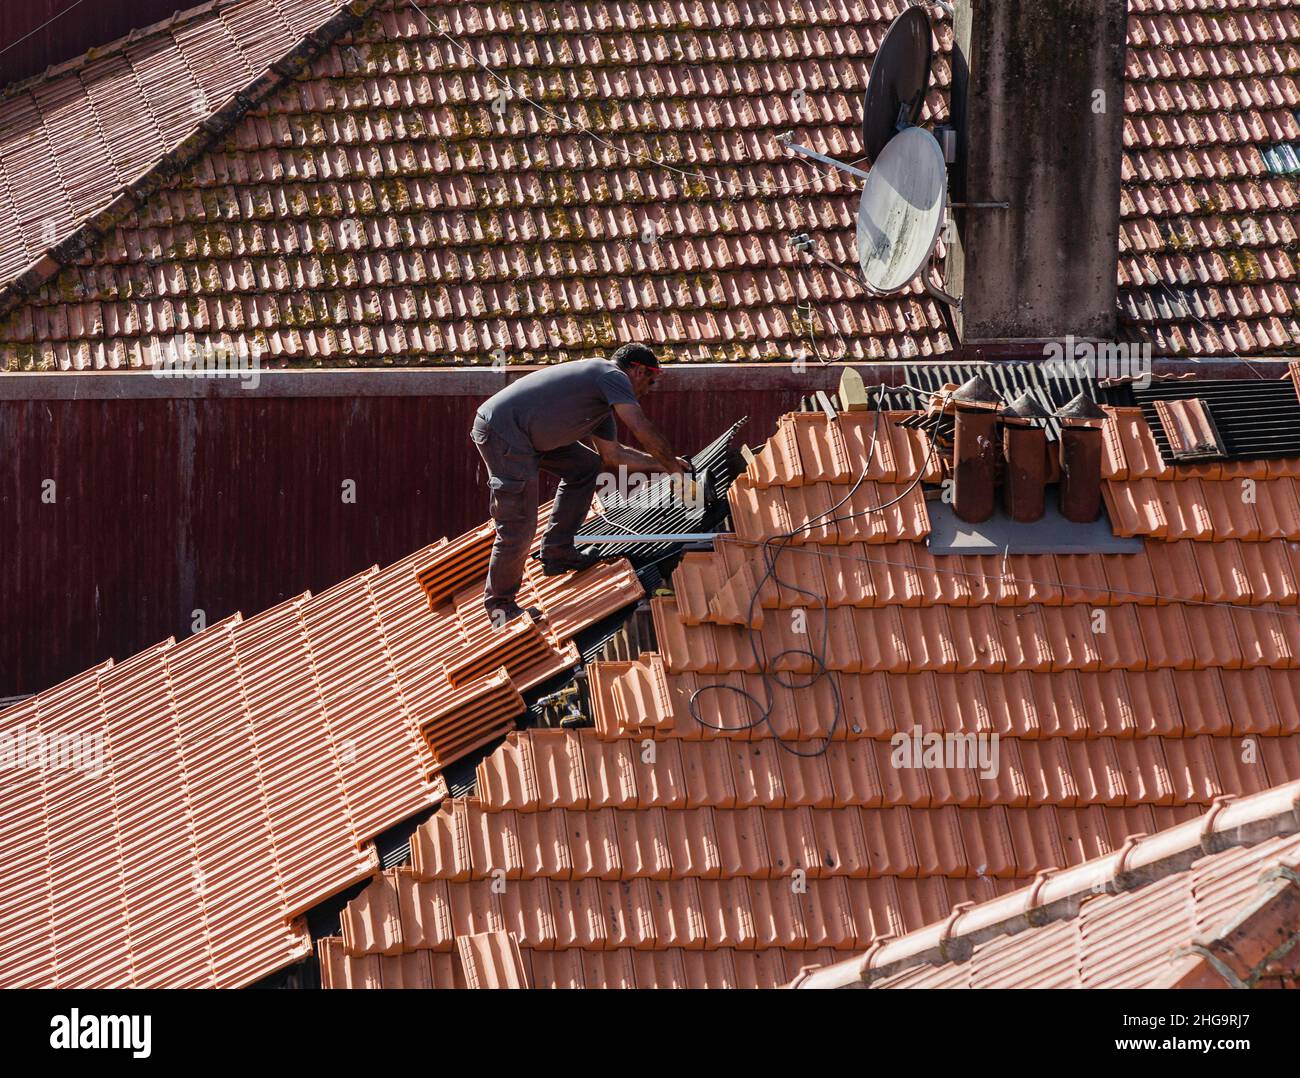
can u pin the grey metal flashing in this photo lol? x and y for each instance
(1052, 534)
(461, 379)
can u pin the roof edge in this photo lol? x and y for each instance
(132, 195)
(1058, 894)
(114, 47)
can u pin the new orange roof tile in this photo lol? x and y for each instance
(696, 580)
(478, 712)
(576, 600)
(492, 960)
(611, 774)
(824, 453)
(455, 565)
(525, 909)
(1190, 428)
(520, 647)
(742, 848)
(1129, 449)
(778, 463)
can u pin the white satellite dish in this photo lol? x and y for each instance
(902, 210)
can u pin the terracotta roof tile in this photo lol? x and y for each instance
(492, 960)
(1095, 927)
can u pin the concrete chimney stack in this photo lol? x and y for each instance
(1038, 104)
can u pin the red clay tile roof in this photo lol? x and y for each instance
(246, 771)
(1128, 691)
(374, 209)
(1211, 903)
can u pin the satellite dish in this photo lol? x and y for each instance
(902, 209)
(899, 77)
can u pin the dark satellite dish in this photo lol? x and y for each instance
(901, 210)
(899, 77)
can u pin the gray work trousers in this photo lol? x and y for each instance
(512, 477)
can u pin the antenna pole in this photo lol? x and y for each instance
(786, 139)
(807, 245)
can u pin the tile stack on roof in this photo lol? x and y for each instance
(652, 849)
(1211, 903)
(485, 669)
(246, 771)
(376, 209)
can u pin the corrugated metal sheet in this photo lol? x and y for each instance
(1051, 385)
(1254, 419)
(656, 509)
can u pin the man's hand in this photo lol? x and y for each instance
(648, 435)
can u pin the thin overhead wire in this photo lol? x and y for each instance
(31, 33)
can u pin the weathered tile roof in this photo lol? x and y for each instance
(243, 774)
(73, 137)
(373, 208)
(1211, 903)
(732, 847)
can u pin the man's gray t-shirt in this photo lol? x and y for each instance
(559, 405)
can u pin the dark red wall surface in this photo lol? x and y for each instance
(165, 506)
(78, 28)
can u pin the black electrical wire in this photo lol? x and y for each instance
(820, 668)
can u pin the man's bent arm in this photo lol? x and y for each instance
(612, 454)
(648, 435)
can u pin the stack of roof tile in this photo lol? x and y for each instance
(375, 207)
(237, 779)
(716, 827)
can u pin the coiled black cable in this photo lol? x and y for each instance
(773, 547)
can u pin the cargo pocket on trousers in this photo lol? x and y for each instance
(508, 503)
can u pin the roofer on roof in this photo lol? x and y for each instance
(541, 421)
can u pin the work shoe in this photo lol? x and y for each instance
(501, 612)
(567, 561)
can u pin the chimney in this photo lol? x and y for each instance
(975, 450)
(1024, 446)
(1038, 104)
(1081, 422)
